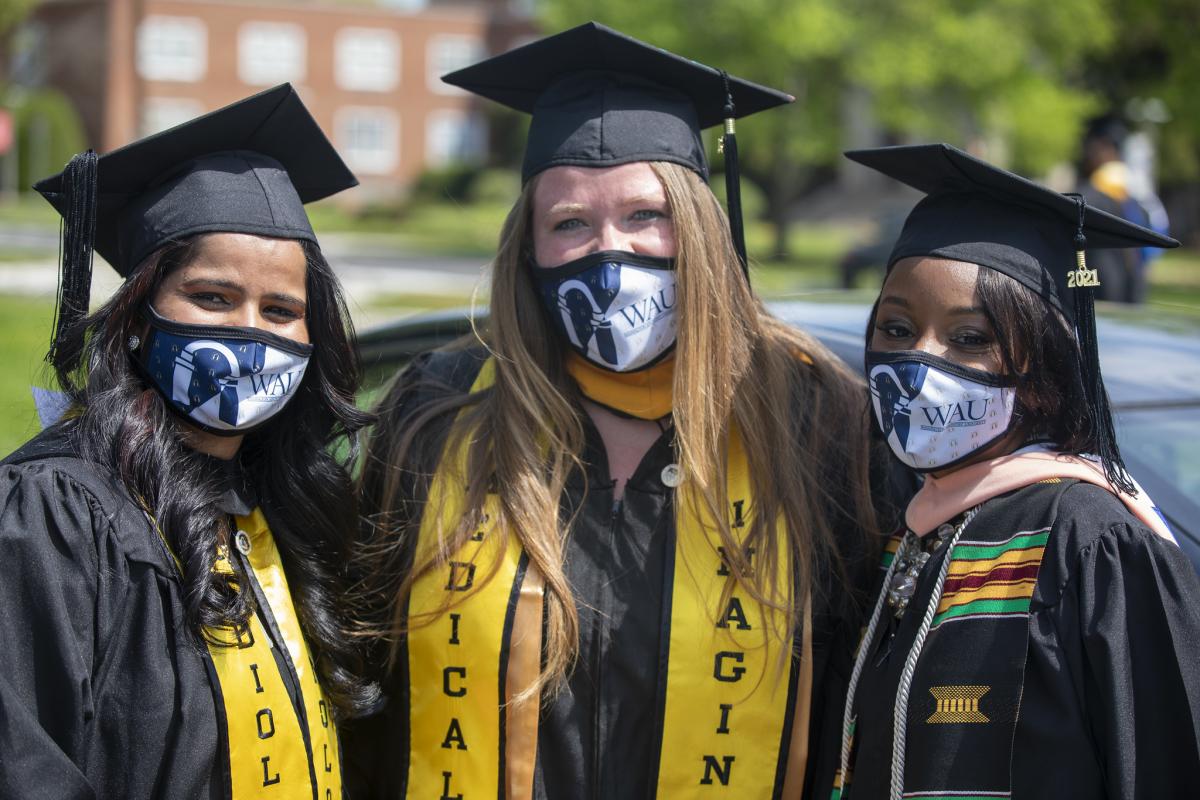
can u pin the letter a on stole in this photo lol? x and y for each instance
(727, 698)
(464, 648)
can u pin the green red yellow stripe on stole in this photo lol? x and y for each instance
(992, 578)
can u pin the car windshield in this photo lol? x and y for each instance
(1161, 447)
(1167, 440)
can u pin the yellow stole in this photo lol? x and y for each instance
(268, 751)
(729, 698)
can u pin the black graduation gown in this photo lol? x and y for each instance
(104, 691)
(599, 738)
(1104, 703)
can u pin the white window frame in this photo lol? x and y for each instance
(161, 58)
(380, 162)
(176, 110)
(253, 70)
(435, 155)
(350, 44)
(435, 67)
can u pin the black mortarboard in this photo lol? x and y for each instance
(246, 168)
(600, 98)
(984, 215)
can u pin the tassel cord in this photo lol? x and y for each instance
(76, 256)
(1095, 395)
(733, 181)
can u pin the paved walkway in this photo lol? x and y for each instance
(374, 279)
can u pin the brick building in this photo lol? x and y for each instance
(369, 71)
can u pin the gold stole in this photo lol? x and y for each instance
(727, 699)
(727, 691)
(268, 756)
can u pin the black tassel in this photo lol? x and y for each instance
(733, 181)
(78, 233)
(1096, 396)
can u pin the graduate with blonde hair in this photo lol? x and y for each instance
(613, 534)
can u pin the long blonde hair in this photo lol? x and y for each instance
(799, 410)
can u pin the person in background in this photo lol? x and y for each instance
(1111, 186)
(1037, 632)
(616, 539)
(172, 546)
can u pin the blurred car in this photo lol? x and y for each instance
(872, 252)
(1151, 367)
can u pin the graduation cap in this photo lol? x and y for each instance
(246, 168)
(981, 214)
(600, 98)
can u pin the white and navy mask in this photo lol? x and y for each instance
(224, 379)
(614, 308)
(933, 412)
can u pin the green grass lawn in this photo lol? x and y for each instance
(441, 228)
(24, 338)
(28, 209)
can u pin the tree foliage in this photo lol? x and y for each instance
(1008, 72)
(1155, 63)
(12, 12)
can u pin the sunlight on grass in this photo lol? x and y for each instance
(24, 338)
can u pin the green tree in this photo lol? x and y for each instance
(1010, 71)
(1156, 58)
(13, 11)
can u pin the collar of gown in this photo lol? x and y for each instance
(941, 499)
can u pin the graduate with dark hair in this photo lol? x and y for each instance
(1037, 633)
(173, 544)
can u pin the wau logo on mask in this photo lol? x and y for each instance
(620, 316)
(931, 415)
(234, 378)
(970, 411)
(225, 385)
(893, 388)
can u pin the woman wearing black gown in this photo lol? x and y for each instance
(1037, 633)
(171, 546)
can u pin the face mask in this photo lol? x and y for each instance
(223, 379)
(935, 413)
(616, 309)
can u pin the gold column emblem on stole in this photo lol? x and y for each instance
(957, 704)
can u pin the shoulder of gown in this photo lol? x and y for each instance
(1115, 650)
(52, 490)
(71, 538)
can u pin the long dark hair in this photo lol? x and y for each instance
(1039, 349)
(300, 478)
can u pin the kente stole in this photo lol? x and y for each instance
(276, 748)
(966, 692)
(736, 715)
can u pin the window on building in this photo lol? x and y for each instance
(523, 9)
(454, 137)
(172, 49)
(160, 113)
(367, 59)
(447, 53)
(271, 53)
(406, 5)
(368, 139)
